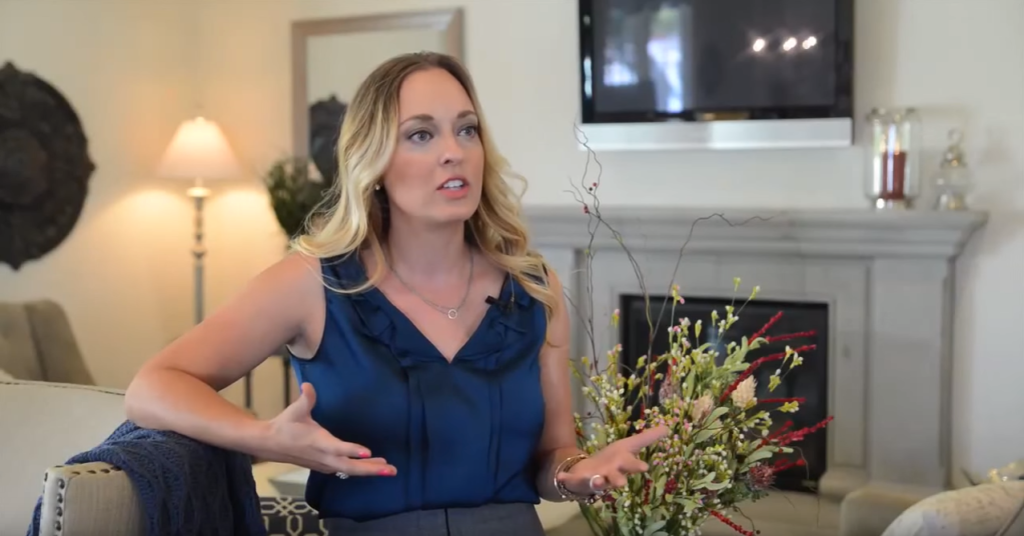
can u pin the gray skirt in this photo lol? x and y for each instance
(518, 519)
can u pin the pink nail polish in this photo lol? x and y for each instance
(384, 472)
(364, 454)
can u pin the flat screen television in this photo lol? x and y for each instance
(716, 74)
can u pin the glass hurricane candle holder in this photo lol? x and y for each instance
(893, 180)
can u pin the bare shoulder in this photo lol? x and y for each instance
(293, 282)
(297, 280)
(297, 271)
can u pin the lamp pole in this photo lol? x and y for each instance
(198, 193)
(199, 151)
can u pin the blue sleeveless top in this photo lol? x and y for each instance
(461, 434)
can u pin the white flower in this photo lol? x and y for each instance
(701, 408)
(743, 396)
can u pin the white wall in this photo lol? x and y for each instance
(959, 61)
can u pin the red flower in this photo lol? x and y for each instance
(798, 400)
(798, 335)
(798, 435)
(732, 524)
(764, 329)
(671, 486)
(761, 476)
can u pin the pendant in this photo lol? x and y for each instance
(453, 314)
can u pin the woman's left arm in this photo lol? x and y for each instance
(558, 440)
(605, 469)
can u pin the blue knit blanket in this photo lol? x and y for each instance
(187, 488)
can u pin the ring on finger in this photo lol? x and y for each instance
(590, 484)
(341, 475)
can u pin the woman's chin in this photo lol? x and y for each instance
(456, 213)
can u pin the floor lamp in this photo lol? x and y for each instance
(199, 151)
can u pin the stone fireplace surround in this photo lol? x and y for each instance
(888, 280)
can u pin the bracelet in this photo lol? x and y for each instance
(565, 466)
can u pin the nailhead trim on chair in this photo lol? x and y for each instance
(60, 512)
(62, 484)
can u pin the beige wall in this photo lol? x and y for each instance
(127, 68)
(124, 274)
(959, 61)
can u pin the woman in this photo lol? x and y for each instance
(431, 342)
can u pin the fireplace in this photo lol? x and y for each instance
(808, 381)
(885, 280)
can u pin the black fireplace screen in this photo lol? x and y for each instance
(808, 381)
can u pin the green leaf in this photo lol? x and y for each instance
(689, 505)
(691, 378)
(707, 478)
(738, 357)
(706, 434)
(716, 485)
(739, 367)
(715, 415)
(703, 349)
(654, 527)
(758, 415)
(759, 454)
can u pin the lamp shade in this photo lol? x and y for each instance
(199, 150)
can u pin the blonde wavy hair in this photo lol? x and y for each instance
(353, 215)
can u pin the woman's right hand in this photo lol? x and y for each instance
(297, 439)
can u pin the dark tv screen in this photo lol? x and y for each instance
(644, 59)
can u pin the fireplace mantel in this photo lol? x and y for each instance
(888, 280)
(833, 232)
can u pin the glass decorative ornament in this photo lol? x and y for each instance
(953, 182)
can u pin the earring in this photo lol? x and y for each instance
(377, 186)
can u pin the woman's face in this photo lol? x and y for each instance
(436, 173)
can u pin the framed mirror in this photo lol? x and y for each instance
(330, 57)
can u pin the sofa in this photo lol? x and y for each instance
(44, 424)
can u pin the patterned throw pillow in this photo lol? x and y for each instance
(290, 516)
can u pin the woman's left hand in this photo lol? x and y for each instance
(609, 467)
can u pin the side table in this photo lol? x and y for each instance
(262, 472)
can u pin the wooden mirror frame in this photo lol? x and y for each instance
(448, 21)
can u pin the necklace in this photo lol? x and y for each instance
(452, 312)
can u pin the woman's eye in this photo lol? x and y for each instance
(470, 130)
(420, 136)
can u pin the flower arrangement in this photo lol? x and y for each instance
(721, 450)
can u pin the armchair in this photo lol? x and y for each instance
(51, 422)
(38, 344)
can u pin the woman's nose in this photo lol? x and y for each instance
(451, 150)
